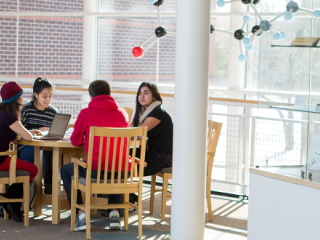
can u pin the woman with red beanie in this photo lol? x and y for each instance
(10, 127)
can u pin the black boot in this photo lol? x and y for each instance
(14, 211)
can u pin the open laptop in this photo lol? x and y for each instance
(58, 127)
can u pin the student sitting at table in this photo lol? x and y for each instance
(102, 111)
(39, 114)
(150, 112)
(10, 127)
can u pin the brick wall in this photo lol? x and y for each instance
(8, 40)
(8, 6)
(51, 5)
(48, 46)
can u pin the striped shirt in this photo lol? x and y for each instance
(32, 118)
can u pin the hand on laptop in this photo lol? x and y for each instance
(44, 129)
(36, 133)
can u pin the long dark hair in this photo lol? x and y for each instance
(39, 84)
(12, 107)
(155, 94)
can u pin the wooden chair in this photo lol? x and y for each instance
(214, 130)
(110, 185)
(129, 111)
(15, 176)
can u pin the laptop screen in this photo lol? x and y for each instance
(59, 124)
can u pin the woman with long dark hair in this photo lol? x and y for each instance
(39, 114)
(150, 113)
(10, 127)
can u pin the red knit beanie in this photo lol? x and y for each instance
(10, 91)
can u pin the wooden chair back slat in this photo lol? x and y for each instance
(127, 162)
(114, 158)
(213, 135)
(120, 159)
(99, 159)
(106, 164)
(134, 148)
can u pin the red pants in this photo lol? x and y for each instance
(21, 165)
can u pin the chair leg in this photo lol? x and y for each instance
(140, 214)
(164, 196)
(126, 212)
(26, 198)
(6, 215)
(153, 186)
(88, 230)
(208, 190)
(209, 202)
(73, 208)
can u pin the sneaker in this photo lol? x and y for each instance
(81, 222)
(115, 220)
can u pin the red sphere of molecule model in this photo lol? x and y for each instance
(137, 51)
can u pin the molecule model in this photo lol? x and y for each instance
(264, 26)
(160, 32)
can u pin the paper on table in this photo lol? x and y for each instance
(300, 101)
(314, 153)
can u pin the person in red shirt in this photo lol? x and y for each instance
(102, 111)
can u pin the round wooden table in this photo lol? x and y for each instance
(57, 147)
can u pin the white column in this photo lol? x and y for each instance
(190, 120)
(89, 45)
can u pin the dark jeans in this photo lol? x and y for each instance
(67, 172)
(27, 154)
(155, 160)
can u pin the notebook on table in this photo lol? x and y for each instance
(58, 127)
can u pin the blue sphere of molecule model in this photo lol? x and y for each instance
(220, 3)
(316, 13)
(283, 35)
(152, 1)
(276, 35)
(246, 41)
(287, 15)
(246, 18)
(249, 47)
(242, 58)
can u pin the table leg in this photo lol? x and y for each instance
(37, 183)
(56, 191)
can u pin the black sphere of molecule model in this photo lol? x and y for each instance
(246, 1)
(160, 32)
(256, 28)
(265, 25)
(158, 3)
(211, 28)
(292, 6)
(239, 34)
(250, 1)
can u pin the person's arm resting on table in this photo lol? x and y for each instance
(22, 131)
